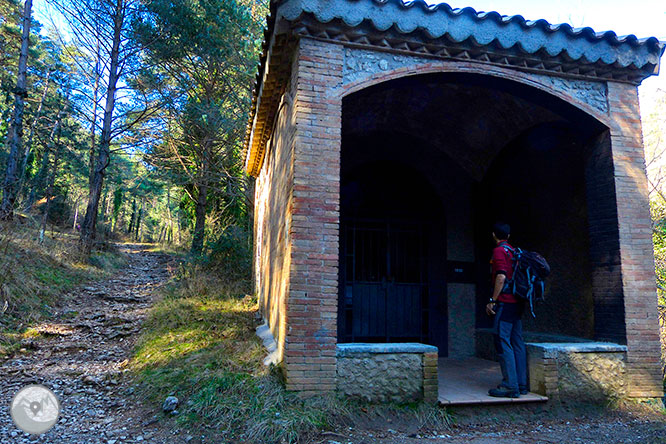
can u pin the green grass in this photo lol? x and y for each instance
(35, 277)
(199, 344)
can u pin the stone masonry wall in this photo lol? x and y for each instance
(396, 377)
(388, 372)
(309, 355)
(636, 248)
(586, 371)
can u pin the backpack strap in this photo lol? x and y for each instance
(509, 284)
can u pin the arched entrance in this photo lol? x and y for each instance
(489, 149)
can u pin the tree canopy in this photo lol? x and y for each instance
(133, 118)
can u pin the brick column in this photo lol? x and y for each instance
(430, 377)
(635, 239)
(310, 348)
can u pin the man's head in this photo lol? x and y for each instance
(501, 231)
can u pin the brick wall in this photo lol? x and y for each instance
(430, 377)
(604, 242)
(311, 310)
(635, 240)
(272, 249)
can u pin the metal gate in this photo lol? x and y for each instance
(384, 282)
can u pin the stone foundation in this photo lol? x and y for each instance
(593, 371)
(387, 372)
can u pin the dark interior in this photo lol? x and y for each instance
(429, 163)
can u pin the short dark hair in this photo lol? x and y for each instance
(502, 230)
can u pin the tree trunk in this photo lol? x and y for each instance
(169, 233)
(106, 217)
(76, 212)
(202, 197)
(16, 126)
(103, 157)
(49, 191)
(200, 221)
(138, 222)
(121, 217)
(93, 126)
(132, 217)
(180, 240)
(28, 144)
(41, 179)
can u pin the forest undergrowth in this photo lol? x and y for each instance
(35, 276)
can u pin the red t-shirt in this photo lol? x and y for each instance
(502, 263)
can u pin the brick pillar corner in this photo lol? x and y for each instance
(430, 377)
(310, 348)
(636, 248)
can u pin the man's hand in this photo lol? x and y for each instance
(490, 309)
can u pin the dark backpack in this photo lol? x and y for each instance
(529, 271)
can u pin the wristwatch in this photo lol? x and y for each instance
(492, 301)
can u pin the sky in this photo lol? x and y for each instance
(643, 18)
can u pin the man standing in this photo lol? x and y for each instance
(507, 327)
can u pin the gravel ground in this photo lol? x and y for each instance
(81, 355)
(599, 431)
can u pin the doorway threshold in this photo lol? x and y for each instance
(466, 382)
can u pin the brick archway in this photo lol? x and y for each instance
(434, 66)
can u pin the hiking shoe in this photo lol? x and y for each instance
(523, 391)
(504, 393)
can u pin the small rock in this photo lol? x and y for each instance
(152, 420)
(170, 404)
(87, 379)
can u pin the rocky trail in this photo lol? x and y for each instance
(82, 353)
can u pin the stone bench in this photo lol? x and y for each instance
(568, 367)
(398, 372)
(582, 370)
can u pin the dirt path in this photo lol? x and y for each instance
(81, 355)
(586, 431)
